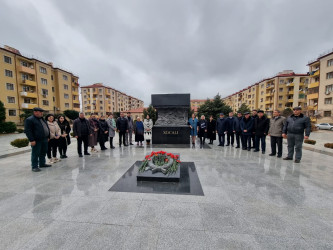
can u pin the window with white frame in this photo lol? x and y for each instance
(43, 81)
(329, 62)
(66, 96)
(45, 103)
(329, 75)
(66, 105)
(327, 113)
(328, 100)
(24, 77)
(329, 88)
(45, 92)
(65, 86)
(10, 99)
(8, 73)
(7, 59)
(9, 86)
(42, 70)
(64, 77)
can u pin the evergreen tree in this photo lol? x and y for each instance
(2, 112)
(71, 114)
(244, 108)
(214, 108)
(287, 112)
(26, 113)
(151, 112)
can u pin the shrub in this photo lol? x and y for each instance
(20, 143)
(7, 127)
(19, 130)
(328, 145)
(312, 142)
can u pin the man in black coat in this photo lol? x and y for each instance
(254, 117)
(221, 129)
(38, 133)
(230, 129)
(82, 131)
(238, 130)
(122, 128)
(261, 127)
(293, 130)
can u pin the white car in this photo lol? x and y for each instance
(328, 126)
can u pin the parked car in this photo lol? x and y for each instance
(328, 126)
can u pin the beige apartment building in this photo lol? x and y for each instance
(196, 103)
(101, 100)
(28, 83)
(285, 90)
(320, 91)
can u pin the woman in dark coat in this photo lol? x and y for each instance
(202, 130)
(139, 130)
(211, 130)
(103, 132)
(63, 141)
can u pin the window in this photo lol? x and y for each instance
(52, 77)
(280, 89)
(280, 97)
(66, 86)
(262, 99)
(65, 77)
(262, 92)
(329, 62)
(280, 105)
(7, 59)
(66, 105)
(25, 64)
(12, 112)
(281, 81)
(101, 108)
(27, 100)
(262, 86)
(9, 86)
(306, 80)
(42, 70)
(328, 100)
(100, 96)
(329, 88)
(100, 90)
(327, 113)
(44, 81)
(27, 89)
(8, 73)
(329, 75)
(52, 89)
(45, 92)
(53, 99)
(45, 102)
(85, 102)
(100, 102)
(24, 77)
(66, 96)
(10, 99)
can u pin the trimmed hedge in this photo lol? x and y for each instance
(312, 142)
(328, 145)
(7, 127)
(19, 130)
(20, 143)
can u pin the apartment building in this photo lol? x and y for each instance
(196, 103)
(101, 100)
(285, 90)
(28, 83)
(320, 91)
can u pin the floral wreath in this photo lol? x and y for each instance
(161, 161)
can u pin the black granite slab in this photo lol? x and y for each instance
(170, 100)
(189, 183)
(197, 145)
(171, 135)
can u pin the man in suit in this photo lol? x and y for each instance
(221, 129)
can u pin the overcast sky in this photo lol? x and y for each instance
(142, 47)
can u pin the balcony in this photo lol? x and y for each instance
(313, 119)
(291, 92)
(26, 70)
(28, 94)
(28, 105)
(29, 83)
(316, 73)
(290, 84)
(269, 94)
(302, 100)
(270, 87)
(269, 101)
(76, 101)
(313, 96)
(290, 100)
(313, 85)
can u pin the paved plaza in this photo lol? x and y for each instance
(251, 201)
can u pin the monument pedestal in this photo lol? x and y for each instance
(179, 134)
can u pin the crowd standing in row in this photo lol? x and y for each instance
(251, 131)
(51, 135)
(48, 136)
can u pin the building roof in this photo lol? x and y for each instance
(200, 100)
(138, 110)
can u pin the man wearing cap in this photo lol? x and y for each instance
(238, 130)
(221, 129)
(246, 125)
(261, 126)
(38, 133)
(293, 130)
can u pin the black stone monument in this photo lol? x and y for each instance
(171, 126)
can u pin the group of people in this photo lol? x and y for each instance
(48, 136)
(251, 131)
